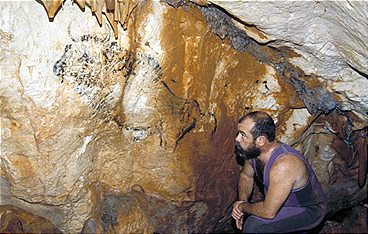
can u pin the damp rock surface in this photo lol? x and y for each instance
(136, 134)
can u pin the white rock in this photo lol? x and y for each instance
(330, 36)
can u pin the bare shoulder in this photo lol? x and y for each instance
(291, 166)
(289, 160)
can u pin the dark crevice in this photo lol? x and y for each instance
(170, 91)
(230, 15)
(215, 122)
(118, 122)
(357, 71)
(184, 132)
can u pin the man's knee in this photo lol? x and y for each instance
(253, 225)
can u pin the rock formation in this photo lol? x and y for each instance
(120, 116)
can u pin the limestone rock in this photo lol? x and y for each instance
(16, 220)
(329, 36)
(45, 136)
(136, 134)
(52, 6)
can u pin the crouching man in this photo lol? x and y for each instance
(294, 199)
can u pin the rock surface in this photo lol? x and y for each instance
(327, 35)
(353, 220)
(16, 220)
(136, 134)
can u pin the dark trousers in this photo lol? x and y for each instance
(288, 219)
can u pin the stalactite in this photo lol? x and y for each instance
(93, 5)
(110, 5)
(113, 23)
(52, 6)
(98, 12)
(81, 3)
(124, 11)
(116, 11)
(129, 9)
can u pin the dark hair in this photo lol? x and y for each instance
(263, 125)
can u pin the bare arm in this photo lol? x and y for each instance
(245, 188)
(245, 184)
(282, 177)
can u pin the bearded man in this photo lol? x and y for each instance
(294, 199)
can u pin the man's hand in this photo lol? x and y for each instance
(239, 223)
(237, 211)
(237, 214)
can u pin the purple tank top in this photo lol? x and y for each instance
(310, 194)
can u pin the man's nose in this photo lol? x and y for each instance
(237, 138)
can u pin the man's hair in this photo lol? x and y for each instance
(263, 125)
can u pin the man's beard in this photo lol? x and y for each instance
(250, 153)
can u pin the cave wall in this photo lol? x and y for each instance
(136, 133)
(328, 36)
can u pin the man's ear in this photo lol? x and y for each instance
(261, 140)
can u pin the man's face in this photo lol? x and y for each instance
(245, 145)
